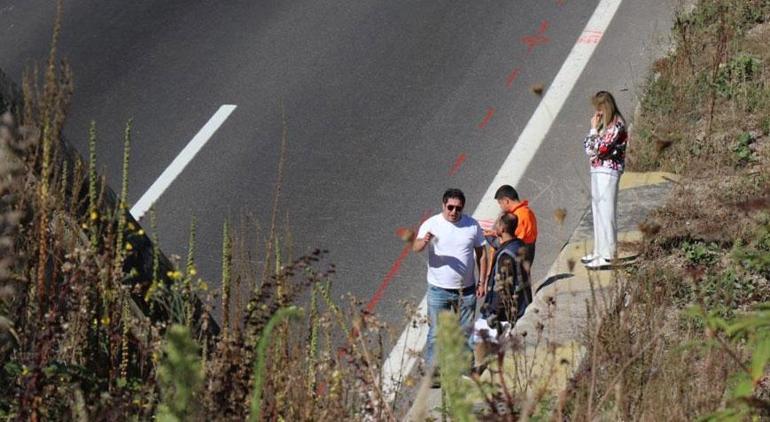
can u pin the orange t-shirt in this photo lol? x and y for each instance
(526, 230)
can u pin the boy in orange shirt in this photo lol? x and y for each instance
(526, 231)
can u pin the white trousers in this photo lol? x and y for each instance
(604, 200)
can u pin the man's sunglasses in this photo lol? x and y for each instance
(454, 207)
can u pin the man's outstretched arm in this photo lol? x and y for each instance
(420, 244)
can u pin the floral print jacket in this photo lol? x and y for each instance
(607, 148)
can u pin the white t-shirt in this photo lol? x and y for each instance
(450, 252)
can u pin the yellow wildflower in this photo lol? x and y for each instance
(174, 275)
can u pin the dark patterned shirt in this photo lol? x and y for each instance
(607, 148)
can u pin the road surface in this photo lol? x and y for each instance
(387, 104)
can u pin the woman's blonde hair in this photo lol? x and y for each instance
(605, 102)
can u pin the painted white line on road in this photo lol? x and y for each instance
(181, 161)
(403, 357)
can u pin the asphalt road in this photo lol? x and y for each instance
(387, 103)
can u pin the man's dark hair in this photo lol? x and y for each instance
(507, 191)
(508, 222)
(453, 193)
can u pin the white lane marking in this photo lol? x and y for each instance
(402, 358)
(181, 161)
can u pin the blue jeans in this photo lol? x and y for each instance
(439, 300)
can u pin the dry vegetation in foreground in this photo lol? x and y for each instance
(86, 333)
(686, 336)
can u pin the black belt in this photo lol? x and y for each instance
(465, 291)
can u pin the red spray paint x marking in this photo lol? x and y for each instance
(537, 39)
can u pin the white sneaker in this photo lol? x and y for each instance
(588, 258)
(599, 264)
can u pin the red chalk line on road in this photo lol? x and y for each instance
(458, 163)
(393, 268)
(388, 277)
(487, 117)
(512, 77)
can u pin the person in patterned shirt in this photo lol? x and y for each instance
(605, 146)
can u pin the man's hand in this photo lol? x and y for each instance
(419, 244)
(481, 289)
(489, 232)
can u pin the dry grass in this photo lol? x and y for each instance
(701, 98)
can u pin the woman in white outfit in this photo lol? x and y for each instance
(605, 146)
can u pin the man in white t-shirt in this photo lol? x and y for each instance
(456, 249)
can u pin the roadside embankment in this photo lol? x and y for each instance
(681, 331)
(684, 335)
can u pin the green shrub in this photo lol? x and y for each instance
(180, 376)
(700, 253)
(736, 73)
(755, 256)
(454, 359)
(742, 148)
